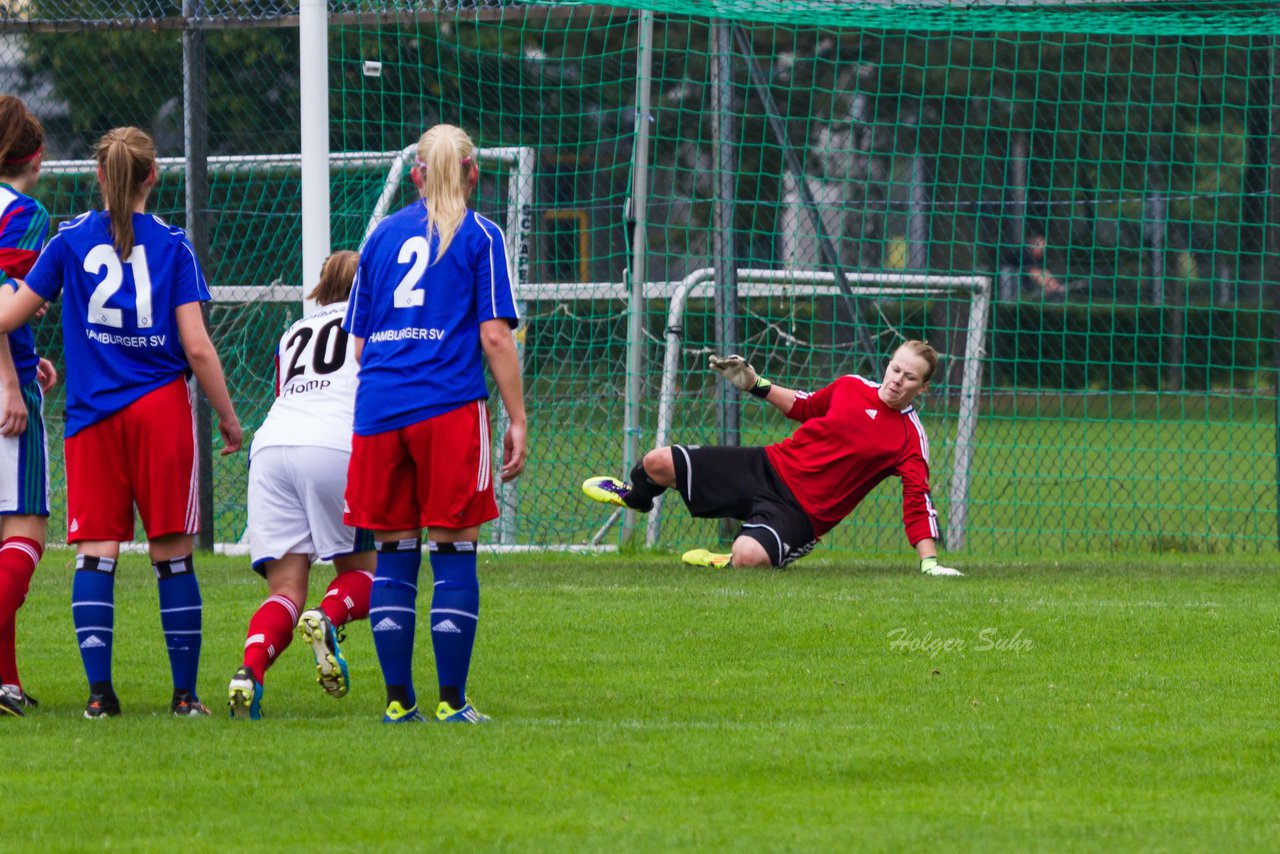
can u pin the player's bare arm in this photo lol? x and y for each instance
(13, 410)
(203, 358)
(46, 375)
(18, 304)
(504, 363)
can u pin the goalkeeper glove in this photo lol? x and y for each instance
(741, 375)
(930, 566)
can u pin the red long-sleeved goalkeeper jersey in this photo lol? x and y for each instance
(848, 441)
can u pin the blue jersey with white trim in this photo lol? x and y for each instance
(119, 327)
(420, 316)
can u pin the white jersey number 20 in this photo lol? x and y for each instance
(323, 351)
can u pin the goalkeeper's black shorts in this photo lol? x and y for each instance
(740, 483)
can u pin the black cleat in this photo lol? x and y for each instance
(102, 706)
(185, 705)
(11, 703)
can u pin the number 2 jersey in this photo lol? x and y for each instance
(315, 385)
(420, 317)
(24, 225)
(119, 328)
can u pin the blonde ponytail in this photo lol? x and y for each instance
(445, 157)
(126, 157)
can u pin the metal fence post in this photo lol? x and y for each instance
(195, 139)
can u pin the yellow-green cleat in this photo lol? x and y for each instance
(398, 714)
(606, 490)
(468, 714)
(702, 557)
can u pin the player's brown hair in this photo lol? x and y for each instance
(924, 351)
(336, 276)
(445, 157)
(126, 163)
(21, 136)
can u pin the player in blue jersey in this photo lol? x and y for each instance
(133, 331)
(24, 377)
(433, 299)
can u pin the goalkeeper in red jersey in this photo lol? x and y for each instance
(853, 434)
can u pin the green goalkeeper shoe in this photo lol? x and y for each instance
(702, 557)
(606, 490)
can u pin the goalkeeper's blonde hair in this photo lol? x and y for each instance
(445, 158)
(924, 351)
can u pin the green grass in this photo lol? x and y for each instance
(641, 706)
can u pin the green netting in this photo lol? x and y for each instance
(1140, 18)
(1111, 170)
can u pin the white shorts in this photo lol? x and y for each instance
(296, 503)
(24, 462)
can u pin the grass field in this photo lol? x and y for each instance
(844, 704)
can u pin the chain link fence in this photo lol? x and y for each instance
(1112, 172)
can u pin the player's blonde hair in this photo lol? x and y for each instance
(126, 158)
(445, 157)
(21, 137)
(924, 351)
(336, 276)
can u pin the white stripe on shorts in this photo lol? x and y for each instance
(193, 494)
(484, 475)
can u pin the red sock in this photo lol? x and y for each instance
(18, 559)
(347, 598)
(270, 631)
(9, 654)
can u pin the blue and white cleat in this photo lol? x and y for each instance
(331, 667)
(244, 696)
(398, 714)
(447, 714)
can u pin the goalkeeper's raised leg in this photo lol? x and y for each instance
(637, 495)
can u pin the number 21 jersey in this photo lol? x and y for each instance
(315, 385)
(119, 330)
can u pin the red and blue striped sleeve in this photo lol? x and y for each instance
(24, 228)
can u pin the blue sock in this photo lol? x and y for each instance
(455, 609)
(93, 611)
(180, 618)
(393, 615)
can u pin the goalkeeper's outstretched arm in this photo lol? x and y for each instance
(739, 373)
